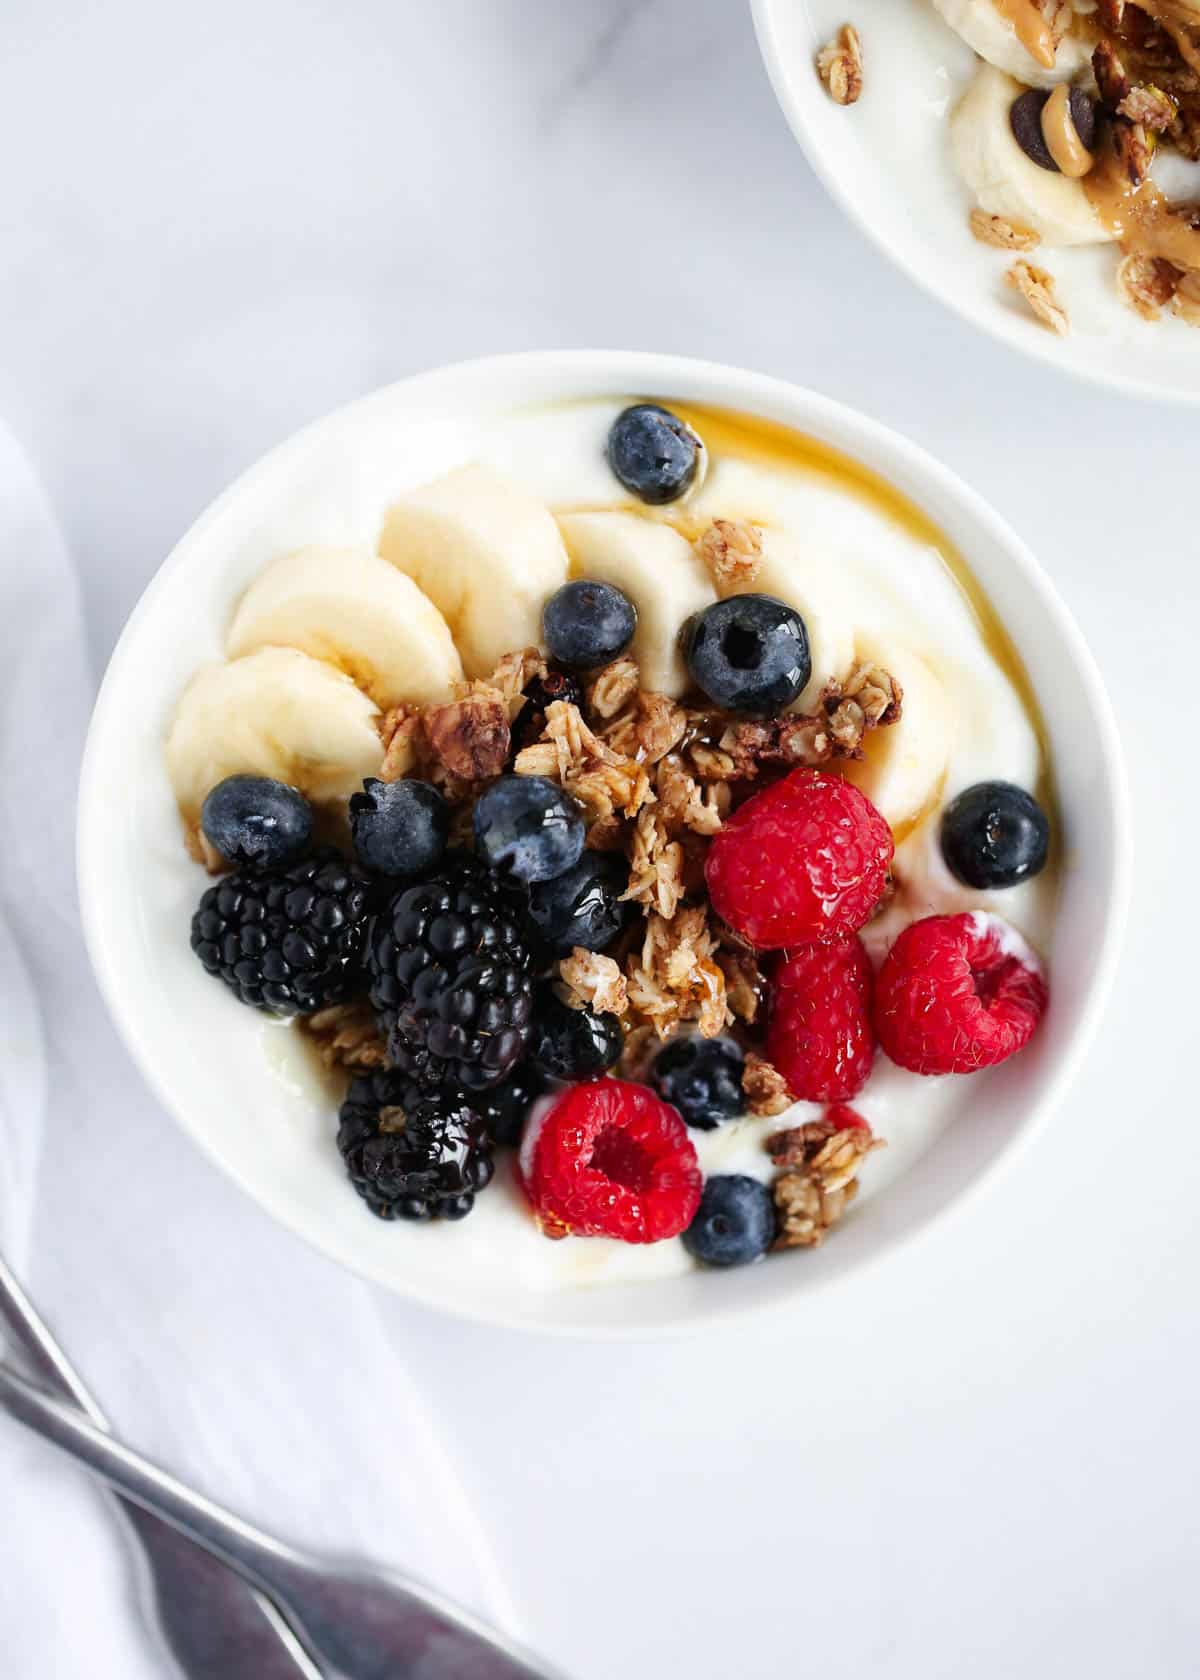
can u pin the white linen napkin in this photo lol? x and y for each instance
(215, 1342)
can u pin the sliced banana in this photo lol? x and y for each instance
(661, 573)
(486, 553)
(791, 572)
(1004, 181)
(905, 765)
(350, 608)
(274, 713)
(986, 29)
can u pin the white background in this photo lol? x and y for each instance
(222, 219)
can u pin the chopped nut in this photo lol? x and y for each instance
(346, 1035)
(732, 551)
(765, 1088)
(1111, 78)
(1006, 236)
(1036, 286)
(1149, 106)
(611, 690)
(1147, 284)
(594, 981)
(840, 66)
(470, 735)
(402, 731)
(1134, 147)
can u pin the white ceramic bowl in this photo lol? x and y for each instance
(886, 162)
(210, 1060)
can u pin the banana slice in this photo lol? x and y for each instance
(905, 765)
(793, 574)
(486, 554)
(987, 30)
(350, 608)
(275, 713)
(661, 573)
(1004, 181)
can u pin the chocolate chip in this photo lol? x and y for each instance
(1083, 115)
(1026, 121)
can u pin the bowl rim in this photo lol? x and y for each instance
(1042, 348)
(752, 392)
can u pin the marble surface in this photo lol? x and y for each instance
(223, 220)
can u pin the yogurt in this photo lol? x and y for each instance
(912, 606)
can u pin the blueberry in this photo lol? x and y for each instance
(252, 819)
(529, 827)
(540, 694)
(585, 624)
(504, 1107)
(734, 1224)
(399, 828)
(995, 835)
(653, 453)
(572, 1043)
(583, 905)
(702, 1077)
(748, 653)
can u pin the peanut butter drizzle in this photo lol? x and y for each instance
(1062, 137)
(1142, 218)
(1031, 29)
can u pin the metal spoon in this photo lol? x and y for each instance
(356, 1620)
(211, 1621)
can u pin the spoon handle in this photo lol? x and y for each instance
(210, 1619)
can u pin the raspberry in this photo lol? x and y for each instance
(819, 1036)
(958, 993)
(845, 1118)
(610, 1159)
(805, 859)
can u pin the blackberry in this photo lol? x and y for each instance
(287, 940)
(409, 1152)
(449, 974)
(504, 1108)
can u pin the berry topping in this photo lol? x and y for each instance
(958, 993)
(735, 1222)
(587, 624)
(819, 1036)
(449, 977)
(286, 940)
(571, 1043)
(412, 1153)
(653, 453)
(995, 835)
(399, 828)
(610, 1159)
(255, 820)
(749, 653)
(528, 827)
(504, 1108)
(702, 1078)
(583, 905)
(538, 694)
(807, 858)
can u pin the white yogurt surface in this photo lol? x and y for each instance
(902, 597)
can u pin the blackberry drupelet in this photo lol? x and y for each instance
(449, 973)
(287, 940)
(412, 1153)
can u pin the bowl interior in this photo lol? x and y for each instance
(226, 1074)
(886, 162)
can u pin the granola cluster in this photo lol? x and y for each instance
(821, 1162)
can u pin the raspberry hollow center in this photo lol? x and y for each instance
(621, 1159)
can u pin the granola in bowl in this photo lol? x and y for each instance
(632, 863)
